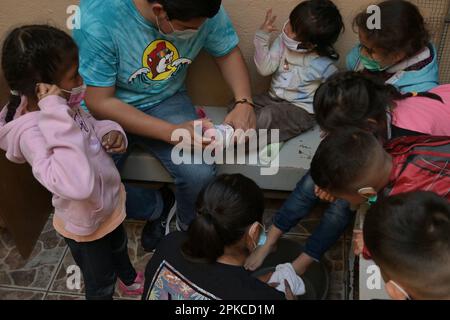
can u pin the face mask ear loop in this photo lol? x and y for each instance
(159, 26)
(371, 200)
(401, 290)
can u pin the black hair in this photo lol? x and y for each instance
(227, 207)
(185, 10)
(409, 235)
(353, 98)
(342, 159)
(319, 23)
(402, 28)
(32, 54)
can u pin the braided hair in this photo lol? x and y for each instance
(354, 99)
(32, 54)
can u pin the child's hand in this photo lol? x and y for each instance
(114, 142)
(44, 90)
(268, 23)
(323, 195)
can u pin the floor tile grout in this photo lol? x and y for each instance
(55, 273)
(62, 293)
(16, 288)
(339, 256)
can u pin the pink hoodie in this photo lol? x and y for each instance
(63, 146)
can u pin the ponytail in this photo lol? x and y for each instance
(204, 243)
(227, 207)
(429, 95)
(327, 51)
(13, 104)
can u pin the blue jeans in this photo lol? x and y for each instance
(300, 203)
(145, 204)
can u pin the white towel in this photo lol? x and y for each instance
(286, 272)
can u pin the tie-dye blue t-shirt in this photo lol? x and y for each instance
(119, 47)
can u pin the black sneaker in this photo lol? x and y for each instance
(154, 231)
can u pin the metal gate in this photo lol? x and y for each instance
(437, 16)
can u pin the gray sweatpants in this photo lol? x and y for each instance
(280, 114)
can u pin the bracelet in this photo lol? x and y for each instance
(244, 101)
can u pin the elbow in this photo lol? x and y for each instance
(83, 186)
(77, 191)
(93, 107)
(79, 186)
(85, 190)
(263, 71)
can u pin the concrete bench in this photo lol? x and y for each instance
(294, 160)
(368, 284)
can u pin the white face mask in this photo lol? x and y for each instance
(292, 44)
(177, 34)
(77, 96)
(401, 290)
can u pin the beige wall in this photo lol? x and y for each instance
(207, 87)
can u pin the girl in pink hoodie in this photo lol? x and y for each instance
(44, 125)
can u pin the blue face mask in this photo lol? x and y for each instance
(370, 194)
(262, 237)
(373, 199)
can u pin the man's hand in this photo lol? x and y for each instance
(194, 130)
(114, 142)
(242, 117)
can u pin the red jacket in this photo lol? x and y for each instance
(420, 163)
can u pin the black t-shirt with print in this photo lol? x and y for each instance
(170, 276)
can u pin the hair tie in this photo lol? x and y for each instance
(15, 93)
(207, 216)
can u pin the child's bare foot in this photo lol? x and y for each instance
(256, 259)
(302, 263)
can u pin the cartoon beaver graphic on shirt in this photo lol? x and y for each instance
(161, 61)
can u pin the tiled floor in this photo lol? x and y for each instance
(43, 276)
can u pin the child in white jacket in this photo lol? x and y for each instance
(300, 59)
